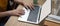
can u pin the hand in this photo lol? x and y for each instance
(29, 4)
(16, 12)
(26, 3)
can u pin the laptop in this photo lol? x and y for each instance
(37, 15)
(31, 16)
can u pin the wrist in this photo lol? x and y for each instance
(9, 13)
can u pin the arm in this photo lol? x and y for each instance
(15, 12)
(2, 14)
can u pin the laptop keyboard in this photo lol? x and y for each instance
(33, 14)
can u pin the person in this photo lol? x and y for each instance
(18, 12)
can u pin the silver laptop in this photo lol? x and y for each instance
(37, 15)
(31, 16)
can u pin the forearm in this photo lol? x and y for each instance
(3, 14)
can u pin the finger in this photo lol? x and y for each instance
(30, 7)
(17, 15)
(22, 12)
(26, 6)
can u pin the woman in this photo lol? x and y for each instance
(6, 13)
(16, 12)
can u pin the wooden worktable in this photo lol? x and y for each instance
(13, 21)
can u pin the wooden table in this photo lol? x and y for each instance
(13, 21)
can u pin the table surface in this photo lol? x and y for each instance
(13, 21)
